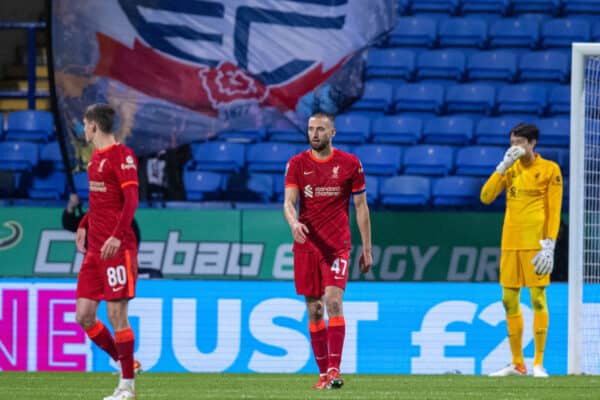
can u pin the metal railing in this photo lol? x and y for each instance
(31, 93)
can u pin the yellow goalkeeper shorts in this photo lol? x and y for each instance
(516, 270)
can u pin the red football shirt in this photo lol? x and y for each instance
(325, 187)
(109, 171)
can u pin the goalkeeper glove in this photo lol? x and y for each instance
(544, 259)
(511, 155)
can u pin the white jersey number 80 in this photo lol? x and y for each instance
(116, 275)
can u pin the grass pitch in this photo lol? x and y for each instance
(90, 386)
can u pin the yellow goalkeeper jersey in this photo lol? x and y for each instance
(533, 202)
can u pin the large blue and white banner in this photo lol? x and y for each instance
(179, 71)
(217, 326)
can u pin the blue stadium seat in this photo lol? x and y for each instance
(554, 131)
(514, 32)
(463, 32)
(441, 64)
(80, 180)
(243, 135)
(522, 98)
(372, 185)
(270, 156)
(414, 31)
(278, 187)
(545, 66)
(456, 191)
(18, 156)
(471, 97)
(560, 100)
(438, 6)
(379, 159)
(340, 146)
(51, 157)
(419, 97)
(492, 65)
(537, 6)
(29, 125)
(561, 32)
(596, 30)
(486, 6)
(377, 96)
(405, 191)
(51, 186)
(581, 6)
(202, 185)
(448, 130)
(479, 160)
(496, 131)
(217, 156)
(260, 187)
(391, 63)
(285, 131)
(352, 128)
(428, 160)
(397, 130)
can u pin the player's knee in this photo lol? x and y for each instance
(316, 311)
(510, 305)
(538, 304)
(334, 307)
(86, 321)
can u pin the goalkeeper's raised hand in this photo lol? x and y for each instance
(544, 259)
(511, 155)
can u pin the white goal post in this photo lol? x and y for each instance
(584, 211)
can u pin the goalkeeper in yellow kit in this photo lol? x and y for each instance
(533, 201)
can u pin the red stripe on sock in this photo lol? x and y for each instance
(95, 330)
(337, 321)
(125, 335)
(316, 326)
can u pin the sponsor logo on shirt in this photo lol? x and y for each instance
(308, 191)
(97, 186)
(101, 165)
(130, 164)
(308, 172)
(328, 191)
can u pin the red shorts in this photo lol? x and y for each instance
(112, 279)
(313, 272)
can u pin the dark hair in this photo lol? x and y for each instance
(528, 131)
(102, 114)
(321, 114)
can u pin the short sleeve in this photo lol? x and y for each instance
(358, 179)
(291, 173)
(126, 168)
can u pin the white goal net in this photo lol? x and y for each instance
(584, 212)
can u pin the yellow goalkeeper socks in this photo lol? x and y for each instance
(540, 331)
(514, 324)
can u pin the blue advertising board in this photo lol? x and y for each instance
(223, 326)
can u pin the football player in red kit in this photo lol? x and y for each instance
(109, 269)
(322, 179)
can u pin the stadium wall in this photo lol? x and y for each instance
(260, 327)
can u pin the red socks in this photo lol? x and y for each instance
(124, 341)
(103, 339)
(318, 339)
(336, 331)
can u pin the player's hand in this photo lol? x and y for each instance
(365, 261)
(110, 247)
(544, 259)
(80, 239)
(511, 155)
(299, 232)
